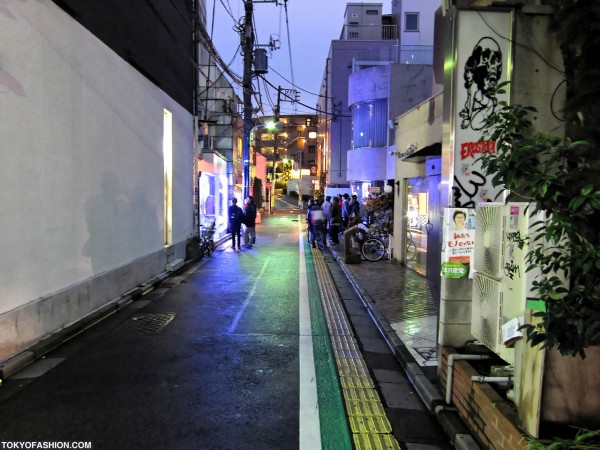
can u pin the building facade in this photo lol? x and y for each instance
(98, 144)
(371, 77)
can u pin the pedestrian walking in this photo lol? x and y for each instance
(315, 220)
(250, 222)
(335, 221)
(235, 215)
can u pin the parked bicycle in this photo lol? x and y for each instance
(207, 243)
(373, 244)
(411, 247)
(376, 246)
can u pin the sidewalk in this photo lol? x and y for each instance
(404, 299)
(403, 305)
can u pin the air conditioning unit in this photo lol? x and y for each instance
(206, 141)
(501, 284)
(486, 312)
(489, 222)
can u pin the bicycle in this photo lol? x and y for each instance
(411, 247)
(207, 243)
(375, 247)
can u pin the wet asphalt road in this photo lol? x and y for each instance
(223, 374)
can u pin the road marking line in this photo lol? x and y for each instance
(310, 426)
(234, 324)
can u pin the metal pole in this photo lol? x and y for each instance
(248, 45)
(300, 202)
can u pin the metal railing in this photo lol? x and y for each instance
(369, 32)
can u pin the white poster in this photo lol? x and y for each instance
(483, 60)
(459, 242)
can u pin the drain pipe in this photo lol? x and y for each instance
(458, 357)
(483, 379)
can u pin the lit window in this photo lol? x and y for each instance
(411, 21)
(168, 176)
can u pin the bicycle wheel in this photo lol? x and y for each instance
(411, 251)
(373, 249)
(210, 247)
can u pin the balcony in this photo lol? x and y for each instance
(369, 32)
(404, 54)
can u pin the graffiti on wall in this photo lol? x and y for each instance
(481, 62)
(482, 71)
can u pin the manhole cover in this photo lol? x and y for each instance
(146, 324)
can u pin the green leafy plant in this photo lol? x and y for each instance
(257, 188)
(584, 440)
(558, 177)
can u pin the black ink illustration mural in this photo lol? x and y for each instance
(482, 70)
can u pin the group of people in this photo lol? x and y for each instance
(331, 218)
(237, 218)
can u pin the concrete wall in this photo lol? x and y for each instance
(82, 207)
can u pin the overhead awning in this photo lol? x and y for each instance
(419, 156)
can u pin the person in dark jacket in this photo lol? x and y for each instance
(236, 215)
(335, 221)
(250, 222)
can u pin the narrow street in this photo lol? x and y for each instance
(224, 355)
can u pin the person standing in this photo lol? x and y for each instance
(354, 210)
(345, 210)
(250, 222)
(336, 221)
(236, 216)
(326, 207)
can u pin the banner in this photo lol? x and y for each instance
(459, 242)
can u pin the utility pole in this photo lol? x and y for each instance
(248, 46)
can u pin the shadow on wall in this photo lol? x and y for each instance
(121, 226)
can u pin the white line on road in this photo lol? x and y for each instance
(234, 324)
(310, 427)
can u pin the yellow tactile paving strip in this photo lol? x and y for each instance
(371, 429)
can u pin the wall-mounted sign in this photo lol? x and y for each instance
(459, 242)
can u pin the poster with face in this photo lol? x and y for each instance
(483, 60)
(459, 242)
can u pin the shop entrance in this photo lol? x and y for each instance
(423, 227)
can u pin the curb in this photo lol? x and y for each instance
(53, 340)
(447, 416)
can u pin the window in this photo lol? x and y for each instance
(369, 124)
(411, 21)
(168, 176)
(371, 12)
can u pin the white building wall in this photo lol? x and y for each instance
(426, 10)
(81, 209)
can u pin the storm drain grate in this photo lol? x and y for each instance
(146, 324)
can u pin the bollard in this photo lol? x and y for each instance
(351, 255)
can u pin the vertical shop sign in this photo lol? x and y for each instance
(484, 59)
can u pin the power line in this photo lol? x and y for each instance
(303, 104)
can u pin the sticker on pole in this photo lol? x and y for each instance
(451, 269)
